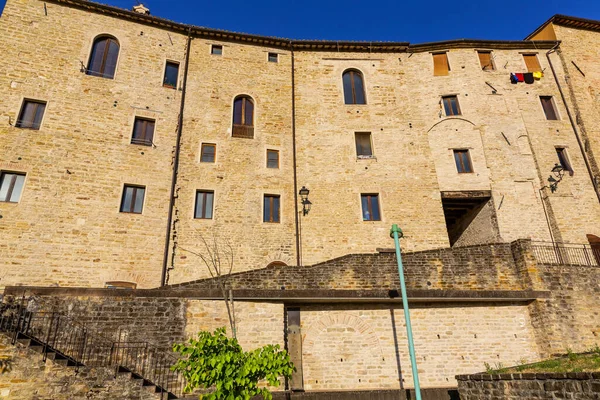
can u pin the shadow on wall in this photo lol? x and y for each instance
(426, 394)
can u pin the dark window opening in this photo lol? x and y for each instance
(103, 60)
(272, 159)
(204, 204)
(243, 117)
(271, 208)
(370, 207)
(273, 57)
(451, 106)
(133, 199)
(216, 50)
(354, 90)
(548, 106)
(11, 186)
(563, 159)
(470, 218)
(171, 75)
(208, 152)
(31, 114)
(363, 144)
(143, 132)
(463, 161)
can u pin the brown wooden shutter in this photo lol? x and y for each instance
(532, 63)
(485, 60)
(440, 64)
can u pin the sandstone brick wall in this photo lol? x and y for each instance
(32, 378)
(365, 347)
(578, 385)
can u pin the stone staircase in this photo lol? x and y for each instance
(56, 337)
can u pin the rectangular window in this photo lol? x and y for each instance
(216, 50)
(451, 106)
(363, 144)
(204, 204)
(143, 132)
(11, 186)
(486, 61)
(133, 199)
(171, 75)
(208, 152)
(271, 208)
(563, 159)
(463, 161)
(31, 114)
(273, 57)
(272, 158)
(370, 207)
(548, 106)
(532, 63)
(440, 64)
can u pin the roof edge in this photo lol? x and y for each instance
(484, 44)
(569, 21)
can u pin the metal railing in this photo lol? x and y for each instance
(59, 336)
(566, 254)
(243, 131)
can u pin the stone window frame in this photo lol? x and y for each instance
(554, 108)
(280, 215)
(438, 72)
(245, 131)
(208, 144)
(164, 73)
(537, 58)
(146, 143)
(371, 146)
(270, 149)
(212, 211)
(136, 186)
(13, 172)
(443, 104)
(492, 57)
(469, 160)
(213, 47)
(270, 55)
(564, 160)
(99, 36)
(354, 70)
(379, 205)
(21, 109)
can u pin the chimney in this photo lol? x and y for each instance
(141, 9)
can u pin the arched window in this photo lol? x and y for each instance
(354, 89)
(243, 117)
(103, 59)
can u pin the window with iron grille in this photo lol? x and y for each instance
(271, 208)
(354, 88)
(208, 152)
(143, 132)
(11, 186)
(133, 199)
(549, 109)
(103, 60)
(243, 117)
(31, 114)
(463, 161)
(370, 207)
(451, 106)
(171, 75)
(272, 159)
(204, 204)
(363, 144)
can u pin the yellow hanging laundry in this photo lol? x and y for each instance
(538, 75)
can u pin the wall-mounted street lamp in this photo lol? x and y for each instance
(306, 204)
(558, 171)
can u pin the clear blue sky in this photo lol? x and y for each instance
(414, 21)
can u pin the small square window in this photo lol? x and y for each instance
(208, 152)
(486, 60)
(11, 186)
(171, 75)
(363, 144)
(216, 50)
(441, 67)
(31, 114)
(532, 63)
(204, 204)
(133, 199)
(451, 106)
(272, 159)
(463, 161)
(563, 159)
(273, 57)
(548, 106)
(370, 207)
(143, 132)
(271, 208)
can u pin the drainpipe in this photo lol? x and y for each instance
(163, 279)
(298, 262)
(562, 95)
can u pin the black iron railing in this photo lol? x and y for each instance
(566, 254)
(60, 337)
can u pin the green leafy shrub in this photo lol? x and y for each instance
(217, 363)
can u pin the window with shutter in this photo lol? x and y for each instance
(486, 61)
(440, 64)
(532, 63)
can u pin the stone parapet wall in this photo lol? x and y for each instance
(580, 385)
